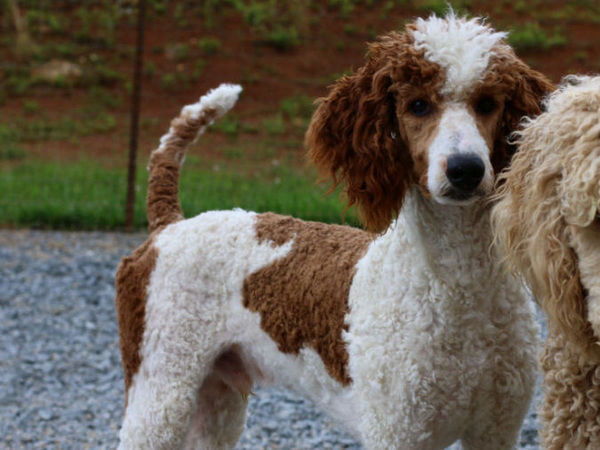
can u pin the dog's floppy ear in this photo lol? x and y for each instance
(354, 138)
(528, 89)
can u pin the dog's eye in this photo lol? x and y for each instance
(419, 107)
(485, 105)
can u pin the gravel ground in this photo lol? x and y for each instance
(61, 384)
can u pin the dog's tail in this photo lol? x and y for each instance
(162, 201)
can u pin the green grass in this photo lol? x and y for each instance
(10, 147)
(84, 195)
(69, 127)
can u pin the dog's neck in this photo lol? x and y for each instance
(452, 239)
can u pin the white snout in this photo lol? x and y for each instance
(457, 135)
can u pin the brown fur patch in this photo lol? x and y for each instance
(162, 202)
(303, 297)
(133, 276)
(523, 90)
(351, 135)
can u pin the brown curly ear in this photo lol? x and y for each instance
(527, 89)
(354, 138)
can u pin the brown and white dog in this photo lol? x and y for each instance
(548, 220)
(413, 337)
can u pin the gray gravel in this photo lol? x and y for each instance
(61, 384)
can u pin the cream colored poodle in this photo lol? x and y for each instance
(548, 220)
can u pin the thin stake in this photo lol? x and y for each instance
(135, 115)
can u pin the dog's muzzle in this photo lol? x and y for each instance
(464, 172)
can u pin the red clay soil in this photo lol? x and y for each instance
(331, 44)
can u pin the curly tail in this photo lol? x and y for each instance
(162, 201)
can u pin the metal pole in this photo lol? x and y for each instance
(135, 116)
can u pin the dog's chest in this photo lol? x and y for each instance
(427, 342)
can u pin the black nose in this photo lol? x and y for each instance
(465, 171)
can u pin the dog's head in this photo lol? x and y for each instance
(548, 216)
(431, 107)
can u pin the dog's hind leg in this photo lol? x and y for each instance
(189, 402)
(221, 408)
(177, 356)
(162, 399)
(220, 416)
(497, 429)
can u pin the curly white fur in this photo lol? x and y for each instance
(443, 41)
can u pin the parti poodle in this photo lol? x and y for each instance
(548, 220)
(410, 334)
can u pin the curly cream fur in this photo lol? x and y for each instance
(547, 221)
(570, 409)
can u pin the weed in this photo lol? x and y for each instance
(97, 25)
(40, 21)
(176, 81)
(168, 81)
(86, 121)
(234, 152)
(282, 38)
(229, 125)
(298, 106)
(149, 69)
(256, 13)
(372, 32)
(345, 6)
(17, 80)
(440, 7)
(531, 36)
(520, 6)
(274, 125)
(198, 70)
(211, 9)
(581, 56)
(30, 107)
(11, 151)
(350, 29)
(65, 49)
(179, 15)
(564, 14)
(209, 45)
(98, 95)
(9, 147)
(388, 7)
(178, 52)
(62, 82)
(101, 75)
(277, 24)
(249, 77)
(159, 6)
